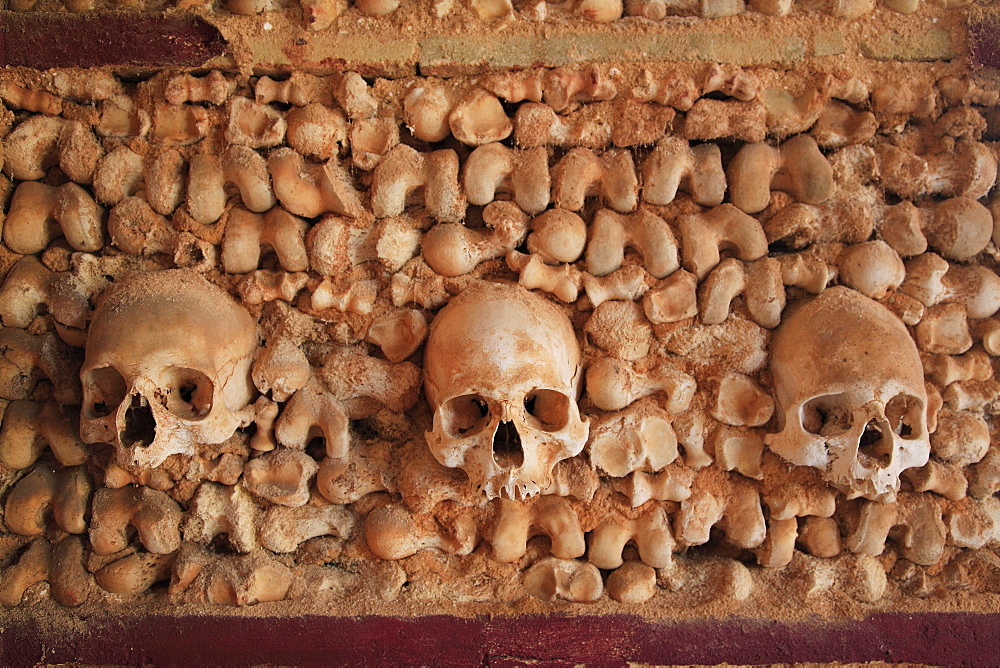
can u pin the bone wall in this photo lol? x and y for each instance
(219, 312)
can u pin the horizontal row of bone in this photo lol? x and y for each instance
(321, 14)
(925, 529)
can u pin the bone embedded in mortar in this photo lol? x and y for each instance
(272, 336)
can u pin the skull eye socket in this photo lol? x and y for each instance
(188, 392)
(106, 390)
(465, 415)
(826, 415)
(904, 414)
(548, 409)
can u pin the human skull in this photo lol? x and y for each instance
(167, 367)
(850, 390)
(502, 373)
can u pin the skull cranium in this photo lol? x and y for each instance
(502, 373)
(167, 367)
(850, 389)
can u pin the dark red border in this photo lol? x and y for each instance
(935, 638)
(984, 38)
(42, 40)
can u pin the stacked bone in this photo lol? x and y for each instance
(317, 225)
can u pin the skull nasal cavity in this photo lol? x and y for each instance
(875, 446)
(140, 425)
(507, 452)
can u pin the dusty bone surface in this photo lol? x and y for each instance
(288, 435)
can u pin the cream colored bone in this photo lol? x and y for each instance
(632, 583)
(638, 438)
(477, 394)
(135, 574)
(967, 169)
(788, 114)
(832, 388)
(797, 168)
(284, 529)
(984, 476)
(872, 268)
(961, 438)
(281, 476)
(245, 579)
(581, 174)
(538, 125)
(79, 152)
(493, 168)
(371, 139)
(208, 176)
(354, 95)
(947, 369)
(247, 232)
(66, 493)
(26, 359)
(61, 566)
(392, 532)
(611, 233)
(398, 333)
(179, 125)
(943, 479)
(944, 330)
(679, 92)
(121, 117)
(254, 125)
(426, 109)
(118, 175)
(478, 118)
(725, 227)
(214, 88)
(740, 402)
(37, 101)
(262, 285)
(613, 385)
(672, 299)
(840, 125)
(32, 147)
(417, 283)
(312, 412)
(165, 181)
(220, 509)
(337, 245)
(557, 236)
(553, 579)
(134, 227)
(739, 450)
(404, 170)
(737, 513)
(805, 271)
(312, 190)
(649, 531)
(28, 427)
(155, 516)
(735, 82)
(671, 484)
(932, 280)
(299, 89)
(318, 131)
(552, 516)
(451, 249)
(154, 396)
(626, 283)
(517, 86)
(359, 297)
(760, 282)
(39, 214)
(675, 165)
(565, 86)
(563, 281)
